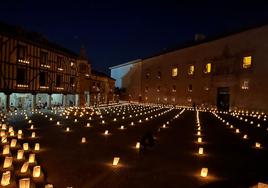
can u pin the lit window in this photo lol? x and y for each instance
(173, 88)
(174, 72)
(146, 89)
(190, 88)
(247, 61)
(208, 68)
(159, 75)
(245, 84)
(191, 70)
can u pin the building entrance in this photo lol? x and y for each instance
(223, 98)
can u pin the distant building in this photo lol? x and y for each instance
(226, 72)
(36, 73)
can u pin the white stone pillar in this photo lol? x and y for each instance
(33, 101)
(7, 107)
(49, 100)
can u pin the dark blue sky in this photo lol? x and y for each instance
(115, 32)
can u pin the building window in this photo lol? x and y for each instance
(159, 74)
(174, 72)
(21, 76)
(21, 52)
(58, 81)
(245, 84)
(59, 61)
(146, 89)
(191, 70)
(147, 75)
(42, 78)
(158, 89)
(43, 57)
(173, 88)
(247, 62)
(207, 68)
(72, 80)
(190, 87)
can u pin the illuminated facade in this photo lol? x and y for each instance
(227, 72)
(36, 73)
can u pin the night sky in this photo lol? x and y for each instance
(115, 32)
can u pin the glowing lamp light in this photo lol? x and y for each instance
(32, 127)
(20, 131)
(50, 119)
(75, 120)
(20, 154)
(132, 123)
(24, 167)
(58, 123)
(30, 121)
(25, 146)
(199, 140)
(67, 129)
(237, 131)
(88, 124)
(204, 172)
(24, 183)
(106, 132)
(245, 136)
(13, 143)
(5, 180)
(198, 133)
(19, 136)
(31, 158)
(37, 147)
(138, 145)
(258, 145)
(102, 121)
(33, 135)
(48, 186)
(83, 140)
(114, 119)
(164, 126)
(7, 162)
(201, 151)
(6, 150)
(36, 171)
(116, 161)
(122, 127)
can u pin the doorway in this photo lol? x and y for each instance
(223, 98)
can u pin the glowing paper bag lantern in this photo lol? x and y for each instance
(24, 167)
(6, 150)
(6, 178)
(31, 158)
(24, 183)
(20, 154)
(204, 172)
(36, 171)
(138, 145)
(201, 151)
(199, 140)
(37, 147)
(83, 140)
(106, 132)
(258, 145)
(33, 135)
(7, 162)
(116, 161)
(25, 146)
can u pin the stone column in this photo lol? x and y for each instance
(33, 101)
(64, 100)
(7, 107)
(49, 101)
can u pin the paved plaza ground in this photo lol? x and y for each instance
(173, 161)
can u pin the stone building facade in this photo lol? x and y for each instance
(227, 72)
(36, 73)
